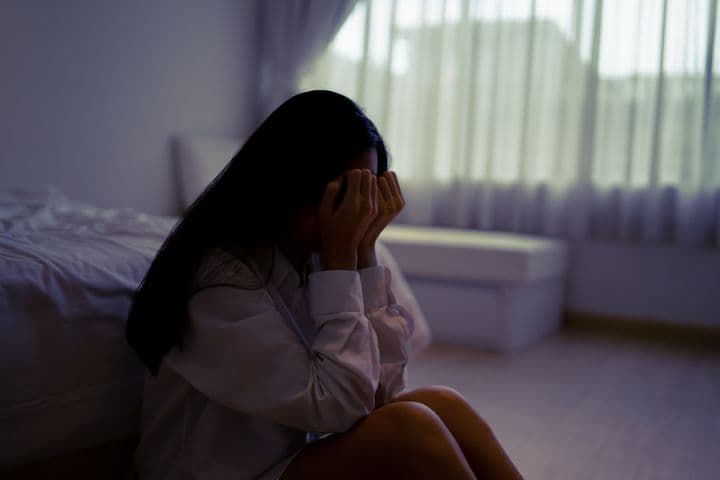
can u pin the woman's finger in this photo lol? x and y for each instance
(386, 196)
(353, 183)
(374, 195)
(365, 183)
(397, 185)
(331, 192)
(384, 188)
(396, 200)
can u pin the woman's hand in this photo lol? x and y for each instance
(390, 202)
(343, 228)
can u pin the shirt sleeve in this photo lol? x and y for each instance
(243, 353)
(393, 325)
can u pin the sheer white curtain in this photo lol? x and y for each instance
(292, 32)
(579, 118)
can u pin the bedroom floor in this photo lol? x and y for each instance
(582, 405)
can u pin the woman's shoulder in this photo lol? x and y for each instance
(230, 266)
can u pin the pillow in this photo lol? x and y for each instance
(199, 159)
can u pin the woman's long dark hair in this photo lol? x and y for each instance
(284, 166)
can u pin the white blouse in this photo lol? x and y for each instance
(264, 372)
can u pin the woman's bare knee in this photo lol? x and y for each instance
(443, 400)
(409, 431)
(477, 440)
(413, 431)
(405, 424)
(438, 393)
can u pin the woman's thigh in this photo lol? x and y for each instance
(399, 440)
(476, 438)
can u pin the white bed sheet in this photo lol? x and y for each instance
(67, 272)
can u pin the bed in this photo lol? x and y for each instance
(72, 388)
(67, 274)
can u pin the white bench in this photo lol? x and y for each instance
(499, 291)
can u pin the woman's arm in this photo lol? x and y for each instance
(241, 352)
(393, 325)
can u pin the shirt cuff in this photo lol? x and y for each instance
(375, 281)
(335, 291)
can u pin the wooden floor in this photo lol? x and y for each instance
(582, 405)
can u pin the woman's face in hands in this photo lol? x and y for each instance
(305, 227)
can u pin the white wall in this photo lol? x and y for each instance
(646, 282)
(92, 91)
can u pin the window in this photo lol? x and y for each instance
(612, 93)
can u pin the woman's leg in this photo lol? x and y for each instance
(401, 440)
(475, 437)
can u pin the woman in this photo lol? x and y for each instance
(275, 346)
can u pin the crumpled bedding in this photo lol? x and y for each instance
(67, 273)
(70, 256)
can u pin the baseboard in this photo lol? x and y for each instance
(643, 328)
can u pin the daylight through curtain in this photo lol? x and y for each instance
(576, 118)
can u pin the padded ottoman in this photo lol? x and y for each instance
(485, 289)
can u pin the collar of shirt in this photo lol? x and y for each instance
(284, 274)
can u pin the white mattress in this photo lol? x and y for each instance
(67, 271)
